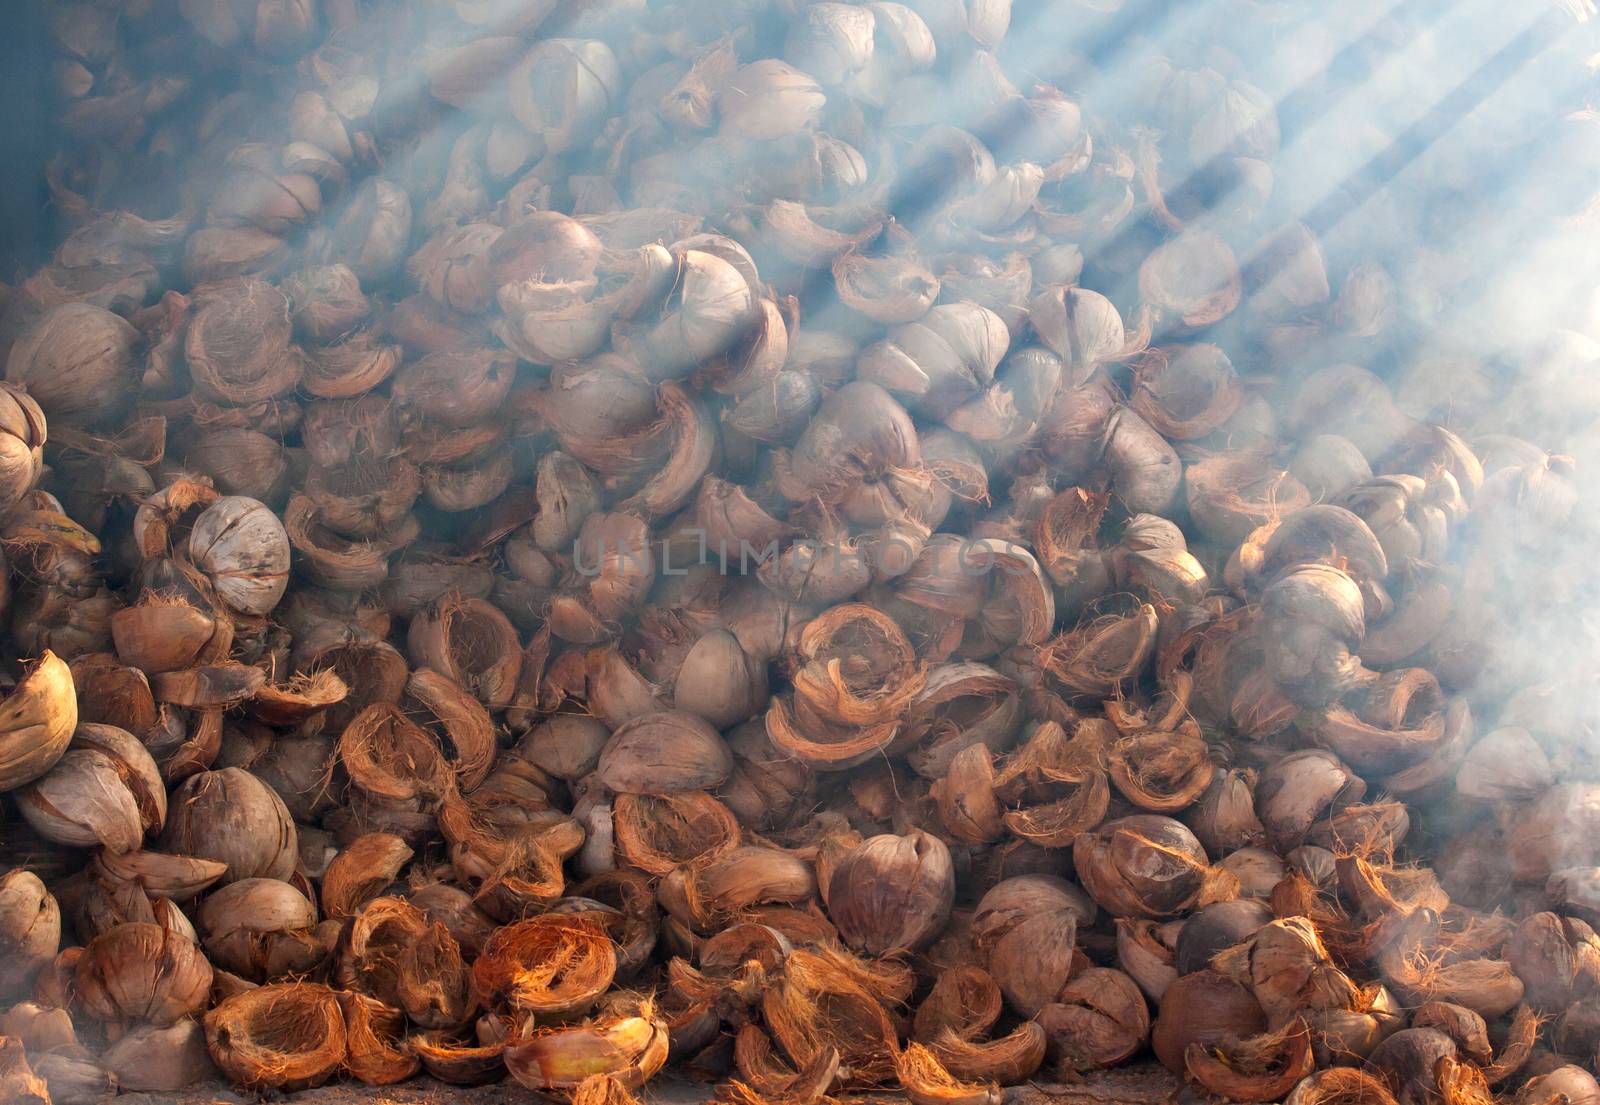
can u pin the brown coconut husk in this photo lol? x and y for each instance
(434, 981)
(470, 641)
(818, 1004)
(1258, 1068)
(1007, 1060)
(551, 965)
(391, 758)
(339, 563)
(287, 704)
(285, 1036)
(1162, 772)
(630, 1044)
(373, 947)
(362, 871)
(1341, 1086)
(378, 1052)
(927, 1082)
(767, 1075)
(657, 833)
(965, 1002)
(460, 1061)
(857, 668)
(462, 725)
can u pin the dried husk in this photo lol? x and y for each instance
(1204, 1009)
(471, 642)
(1163, 772)
(78, 363)
(630, 1045)
(892, 892)
(706, 896)
(260, 930)
(968, 806)
(30, 930)
(242, 547)
(1007, 1060)
(461, 724)
(964, 1002)
(17, 1079)
(238, 343)
(663, 753)
(719, 681)
(1143, 866)
(926, 1082)
(659, 833)
(1026, 926)
(551, 965)
(940, 361)
(1215, 928)
(1299, 790)
(176, 877)
(105, 790)
(859, 431)
(284, 1036)
(160, 1060)
(1410, 1061)
(1099, 1020)
(1194, 278)
(586, 74)
(1103, 654)
(459, 1059)
(1230, 494)
(891, 290)
(361, 871)
(821, 1003)
(1261, 1068)
(1340, 1086)
(1146, 953)
(391, 758)
(141, 973)
(37, 720)
(434, 983)
(234, 818)
(1289, 971)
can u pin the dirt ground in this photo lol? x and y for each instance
(1141, 1085)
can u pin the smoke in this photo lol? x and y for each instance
(1442, 155)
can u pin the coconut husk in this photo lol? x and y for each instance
(465, 730)
(630, 1045)
(1162, 772)
(361, 871)
(927, 1082)
(550, 966)
(657, 833)
(391, 758)
(512, 866)
(377, 1051)
(285, 1036)
(964, 1002)
(37, 721)
(768, 1077)
(1008, 1060)
(460, 1062)
(373, 947)
(302, 696)
(819, 1004)
(1260, 1068)
(882, 673)
(339, 563)
(1102, 654)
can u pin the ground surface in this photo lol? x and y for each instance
(1143, 1085)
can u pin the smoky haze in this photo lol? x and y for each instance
(1404, 192)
